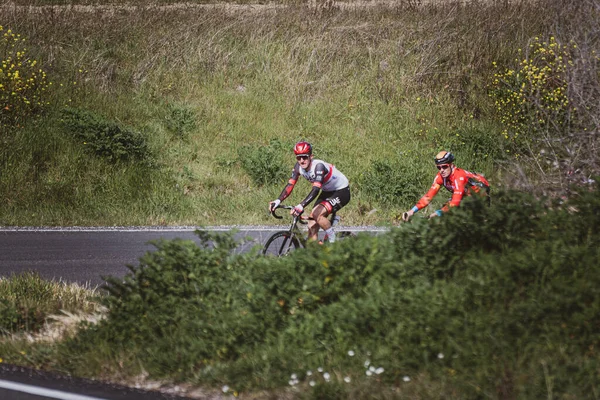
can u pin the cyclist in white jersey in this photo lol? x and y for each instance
(327, 180)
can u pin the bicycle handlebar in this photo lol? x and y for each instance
(300, 218)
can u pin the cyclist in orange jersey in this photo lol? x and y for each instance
(458, 181)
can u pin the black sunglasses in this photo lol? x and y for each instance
(442, 166)
(302, 158)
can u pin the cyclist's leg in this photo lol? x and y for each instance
(316, 216)
(331, 202)
(318, 220)
(313, 227)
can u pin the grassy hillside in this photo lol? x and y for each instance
(186, 115)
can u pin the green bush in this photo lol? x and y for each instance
(180, 120)
(476, 149)
(477, 300)
(265, 164)
(394, 183)
(104, 138)
(11, 319)
(179, 280)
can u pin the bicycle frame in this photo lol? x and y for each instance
(295, 231)
(294, 235)
(294, 238)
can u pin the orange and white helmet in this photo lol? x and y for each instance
(444, 157)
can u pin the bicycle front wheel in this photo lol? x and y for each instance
(280, 244)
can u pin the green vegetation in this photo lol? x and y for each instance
(106, 139)
(185, 115)
(27, 300)
(22, 82)
(501, 302)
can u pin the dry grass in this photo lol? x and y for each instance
(366, 81)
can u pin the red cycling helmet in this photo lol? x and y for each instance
(302, 148)
(444, 157)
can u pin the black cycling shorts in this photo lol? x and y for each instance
(334, 201)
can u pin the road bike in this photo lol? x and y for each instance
(282, 242)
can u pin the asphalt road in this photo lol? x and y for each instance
(86, 255)
(18, 383)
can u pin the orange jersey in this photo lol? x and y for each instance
(460, 183)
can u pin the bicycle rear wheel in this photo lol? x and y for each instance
(345, 234)
(280, 244)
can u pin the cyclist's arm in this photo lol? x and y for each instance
(314, 192)
(287, 190)
(426, 199)
(320, 173)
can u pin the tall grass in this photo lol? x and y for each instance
(369, 86)
(27, 301)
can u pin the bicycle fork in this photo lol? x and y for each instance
(288, 241)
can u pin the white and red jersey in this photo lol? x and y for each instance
(321, 174)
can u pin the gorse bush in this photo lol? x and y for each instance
(533, 98)
(265, 164)
(23, 84)
(476, 300)
(104, 138)
(544, 104)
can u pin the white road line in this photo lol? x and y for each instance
(136, 229)
(39, 391)
(175, 229)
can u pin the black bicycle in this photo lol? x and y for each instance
(282, 242)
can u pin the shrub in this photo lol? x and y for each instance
(265, 164)
(180, 120)
(479, 298)
(476, 148)
(23, 84)
(547, 105)
(181, 288)
(11, 319)
(104, 138)
(394, 183)
(533, 97)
